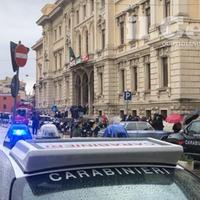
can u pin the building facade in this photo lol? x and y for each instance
(6, 99)
(5, 87)
(7, 103)
(92, 51)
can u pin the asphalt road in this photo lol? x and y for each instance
(3, 131)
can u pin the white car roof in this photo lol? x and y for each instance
(34, 156)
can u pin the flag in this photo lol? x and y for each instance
(71, 54)
(85, 58)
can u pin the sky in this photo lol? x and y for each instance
(18, 23)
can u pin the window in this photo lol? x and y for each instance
(67, 86)
(40, 71)
(164, 63)
(4, 98)
(103, 3)
(69, 23)
(148, 114)
(133, 21)
(148, 15)
(127, 182)
(100, 112)
(100, 83)
(134, 113)
(60, 30)
(164, 113)
(134, 79)
(121, 113)
(59, 90)
(55, 34)
(103, 38)
(148, 77)
(92, 5)
(77, 17)
(84, 11)
(56, 62)
(134, 27)
(167, 8)
(79, 44)
(4, 106)
(131, 126)
(121, 33)
(194, 128)
(144, 126)
(60, 59)
(122, 80)
(86, 42)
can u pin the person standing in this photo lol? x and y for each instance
(35, 124)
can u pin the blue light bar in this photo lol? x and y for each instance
(15, 133)
(19, 132)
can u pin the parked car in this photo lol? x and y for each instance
(45, 119)
(137, 129)
(143, 129)
(94, 169)
(48, 131)
(189, 138)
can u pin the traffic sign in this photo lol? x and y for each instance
(127, 95)
(15, 86)
(12, 52)
(21, 55)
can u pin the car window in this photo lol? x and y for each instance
(131, 126)
(194, 128)
(108, 183)
(144, 126)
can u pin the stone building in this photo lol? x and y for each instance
(148, 47)
(5, 87)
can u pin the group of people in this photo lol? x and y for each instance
(81, 127)
(88, 127)
(156, 121)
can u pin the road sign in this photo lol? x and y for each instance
(12, 52)
(21, 55)
(127, 95)
(15, 86)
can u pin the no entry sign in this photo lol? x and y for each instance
(21, 55)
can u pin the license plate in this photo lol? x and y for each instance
(192, 142)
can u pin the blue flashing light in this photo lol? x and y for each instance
(19, 132)
(15, 133)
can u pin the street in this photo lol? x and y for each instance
(3, 131)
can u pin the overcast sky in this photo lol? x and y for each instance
(18, 23)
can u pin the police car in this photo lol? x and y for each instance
(107, 169)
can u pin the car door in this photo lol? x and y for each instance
(192, 137)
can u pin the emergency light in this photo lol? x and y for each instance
(15, 133)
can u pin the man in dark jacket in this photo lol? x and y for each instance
(35, 123)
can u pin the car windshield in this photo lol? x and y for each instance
(109, 183)
(194, 128)
(144, 126)
(131, 126)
